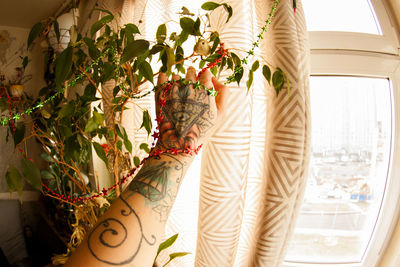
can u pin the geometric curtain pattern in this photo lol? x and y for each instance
(254, 169)
(287, 147)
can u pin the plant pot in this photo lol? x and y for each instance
(65, 22)
(16, 90)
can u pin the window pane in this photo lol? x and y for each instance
(341, 15)
(351, 133)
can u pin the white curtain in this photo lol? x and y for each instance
(241, 210)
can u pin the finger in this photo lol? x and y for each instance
(205, 79)
(191, 74)
(161, 81)
(176, 77)
(162, 78)
(222, 96)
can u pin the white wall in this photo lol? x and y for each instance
(12, 46)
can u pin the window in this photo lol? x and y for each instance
(349, 208)
(339, 16)
(351, 134)
(360, 25)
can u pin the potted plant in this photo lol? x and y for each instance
(69, 126)
(16, 83)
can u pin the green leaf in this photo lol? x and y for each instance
(132, 28)
(63, 65)
(202, 63)
(91, 125)
(136, 161)
(134, 49)
(212, 58)
(146, 122)
(100, 152)
(72, 148)
(128, 144)
(46, 174)
(267, 73)
(161, 34)
(46, 157)
(108, 71)
(176, 255)
(183, 36)
(255, 66)
(196, 27)
(190, 26)
(19, 134)
(93, 51)
(179, 53)
(57, 30)
(14, 180)
(170, 58)
(31, 173)
(186, 12)
(66, 111)
(145, 147)
(210, 5)
(100, 23)
(167, 243)
(118, 130)
(119, 144)
(228, 9)
(277, 80)
(236, 59)
(156, 49)
(90, 93)
(129, 30)
(215, 44)
(238, 74)
(214, 36)
(146, 70)
(249, 81)
(35, 31)
(98, 117)
(214, 71)
(65, 130)
(116, 90)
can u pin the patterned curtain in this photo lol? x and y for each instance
(242, 210)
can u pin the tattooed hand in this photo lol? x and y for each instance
(189, 114)
(129, 233)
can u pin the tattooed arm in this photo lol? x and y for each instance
(129, 233)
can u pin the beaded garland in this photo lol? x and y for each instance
(260, 36)
(168, 85)
(71, 83)
(222, 52)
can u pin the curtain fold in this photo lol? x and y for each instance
(287, 138)
(254, 169)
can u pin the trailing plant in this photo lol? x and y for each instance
(166, 244)
(68, 117)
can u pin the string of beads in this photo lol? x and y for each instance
(260, 36)
(16, 116)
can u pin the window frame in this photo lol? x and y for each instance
(386, 43)
(367, 55)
